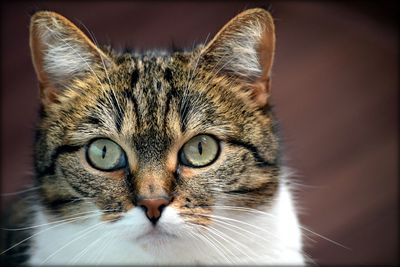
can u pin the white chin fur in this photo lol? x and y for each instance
(271, 236)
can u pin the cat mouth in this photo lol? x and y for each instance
(155, 235)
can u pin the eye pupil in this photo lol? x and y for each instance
(103, 154)
(199, 151)
(200, 147)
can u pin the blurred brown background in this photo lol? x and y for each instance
(335, 89)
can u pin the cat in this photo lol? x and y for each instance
(156, 158)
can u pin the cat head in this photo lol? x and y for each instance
(155, 138)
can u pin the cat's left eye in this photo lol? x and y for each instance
(199, 151)
(105, 155)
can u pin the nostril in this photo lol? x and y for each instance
(145, 209)
(162, 207)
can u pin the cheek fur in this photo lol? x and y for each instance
(108, 191)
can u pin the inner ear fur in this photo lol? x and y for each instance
(244, 50)
(60, 53)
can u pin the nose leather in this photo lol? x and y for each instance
(153, 207)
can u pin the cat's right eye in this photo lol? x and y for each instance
(105, 155)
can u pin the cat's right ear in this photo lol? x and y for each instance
(62, 53)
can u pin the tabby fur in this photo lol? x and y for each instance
(237, 210)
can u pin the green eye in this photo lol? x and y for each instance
(105, 155)
(199, 151)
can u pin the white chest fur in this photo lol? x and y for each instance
(245, 236)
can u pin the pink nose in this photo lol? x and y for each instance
(153, 207)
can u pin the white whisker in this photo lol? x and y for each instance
(207, 240)
(20, 192)
(77, 257)
(273, 216)
(225, 248)
(238, 244)
(100, 255)
(69, 218)
(80, 234)
(40, 232)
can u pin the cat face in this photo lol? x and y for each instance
(155, 140)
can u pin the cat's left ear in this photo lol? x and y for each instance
(244, 50)
(61, 53)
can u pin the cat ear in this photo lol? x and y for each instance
(244, 50)
(61, 53)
